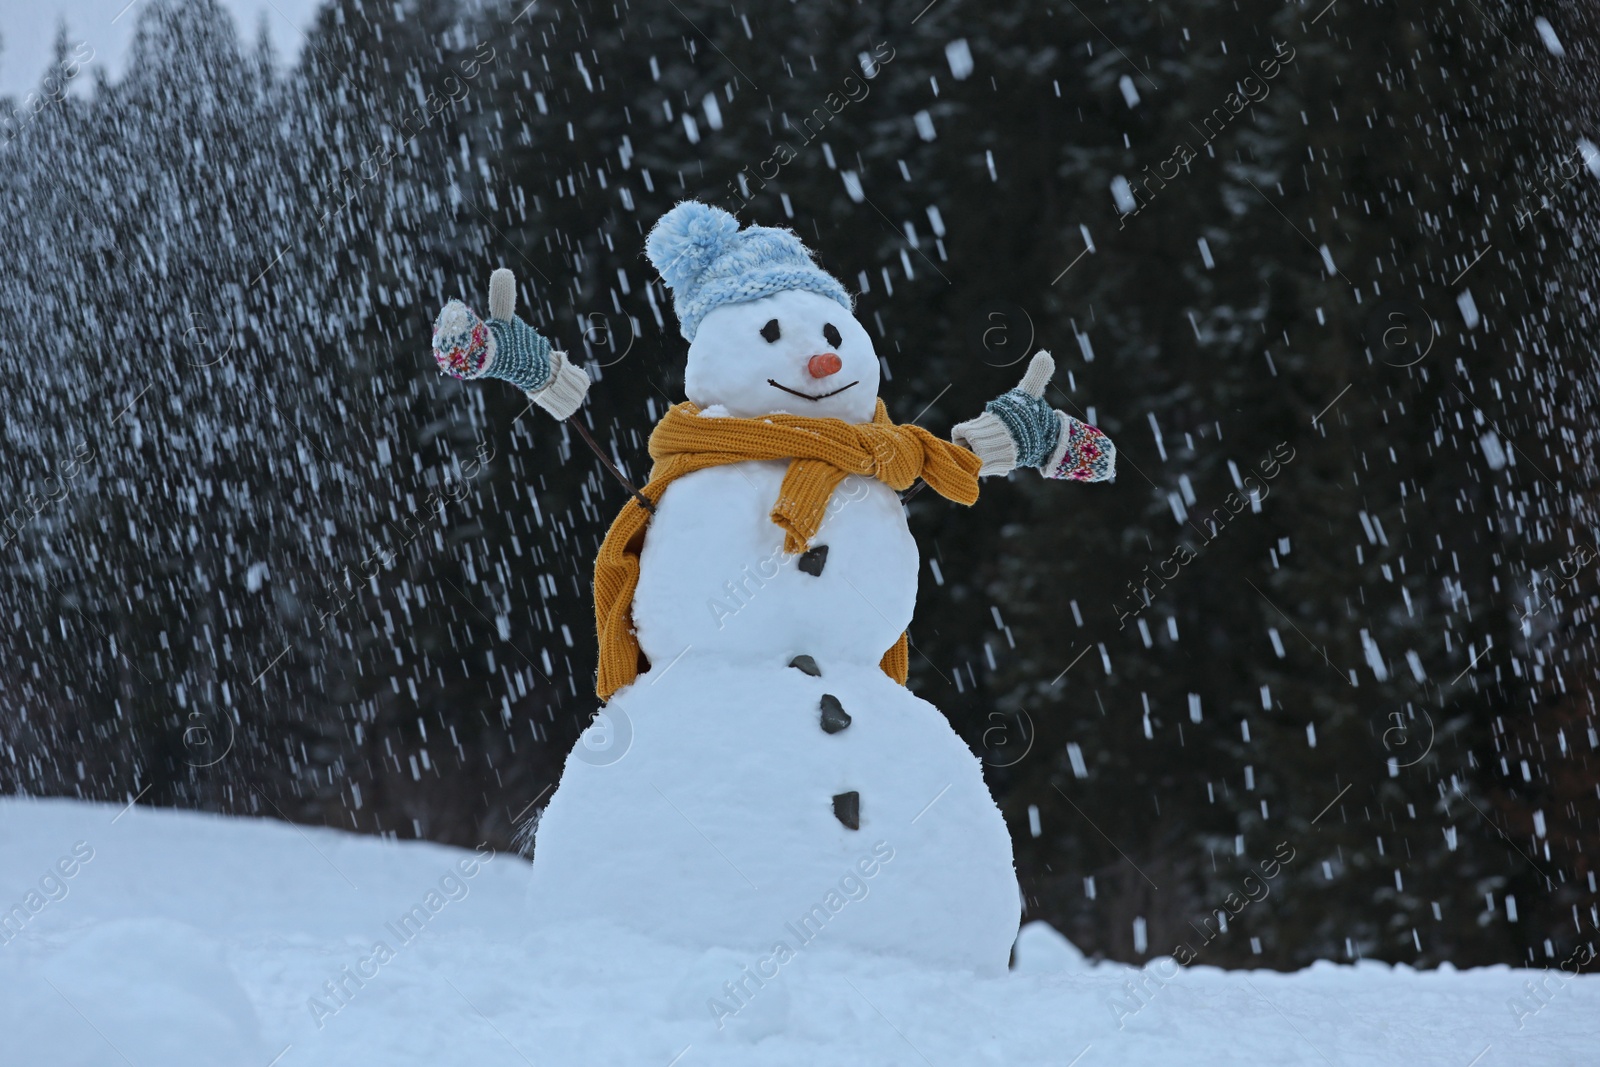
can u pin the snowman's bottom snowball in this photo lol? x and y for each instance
(705, 816)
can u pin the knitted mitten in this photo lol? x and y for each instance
(1083, 453)
(465, 346)
(507, 348)
(1019, 429)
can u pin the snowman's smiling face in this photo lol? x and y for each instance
(794, 352)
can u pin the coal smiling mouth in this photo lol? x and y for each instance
(808, 396)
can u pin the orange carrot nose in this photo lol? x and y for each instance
(824, 365)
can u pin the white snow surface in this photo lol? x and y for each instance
(192, 939)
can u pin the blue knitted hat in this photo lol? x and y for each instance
(707, 261)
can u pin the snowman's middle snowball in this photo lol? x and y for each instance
(812, 456)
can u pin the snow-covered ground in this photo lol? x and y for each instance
(167, 939)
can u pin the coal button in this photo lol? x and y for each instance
(847, 809)
(834, 717)
(812, 561)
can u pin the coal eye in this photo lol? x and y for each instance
(770, 331)
(830, 333)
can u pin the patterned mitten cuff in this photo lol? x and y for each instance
(1083, 453)
(1032, 424)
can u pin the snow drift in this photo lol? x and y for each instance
(184, 939)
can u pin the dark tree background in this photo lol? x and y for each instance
(1323, 272)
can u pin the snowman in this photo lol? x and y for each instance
(772, 784)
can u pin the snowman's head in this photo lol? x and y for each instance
(793, 351)
(768, 330)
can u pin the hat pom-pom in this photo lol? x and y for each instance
(688, 239)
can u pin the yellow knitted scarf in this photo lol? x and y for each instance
(821, 453)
